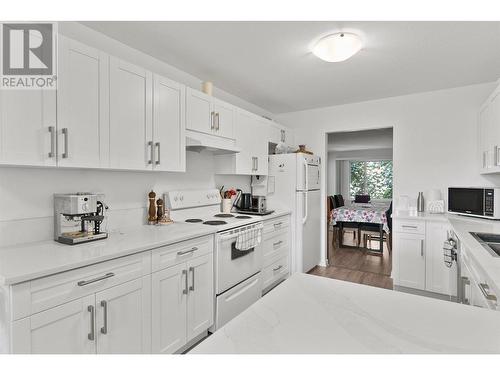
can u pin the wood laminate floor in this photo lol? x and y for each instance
(357, 265)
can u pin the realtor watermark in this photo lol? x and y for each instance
(28, 55)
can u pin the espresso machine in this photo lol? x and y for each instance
(78, 217)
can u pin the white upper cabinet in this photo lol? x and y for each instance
(278, 133)
(252, 160)
(169, 125)
(28, 127)
(206, 114)
(489, 134)
(130, 113)
(82, 105)
(224, 117)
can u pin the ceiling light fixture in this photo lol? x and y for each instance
(337, 47)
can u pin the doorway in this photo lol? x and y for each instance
(359, 168)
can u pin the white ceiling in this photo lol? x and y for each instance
(360, 140)
(269, 63)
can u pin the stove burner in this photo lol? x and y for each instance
(223, 215)
(214, 222)
(194, 221)
(242, 217)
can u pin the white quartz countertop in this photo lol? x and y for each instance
(313, 314)
(30, 261)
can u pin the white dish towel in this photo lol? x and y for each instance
(249, 238)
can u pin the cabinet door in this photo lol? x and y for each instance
(494, 127)
(199, 112)
(169, 125)
(130, 111)
(482, 121)
(123, 321)
(438, 277)
(82, 105)
(261, 150)
(245, 135)
(65, 329)
(224, 120)
(169, 296)
(28, 127)
(200, 308)
(411, 260)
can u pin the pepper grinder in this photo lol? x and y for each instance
(161, 218)
(152, 208)
(420, 202)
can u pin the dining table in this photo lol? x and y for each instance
(373, 213)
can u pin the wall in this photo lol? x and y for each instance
(435, 136)
(26, 205)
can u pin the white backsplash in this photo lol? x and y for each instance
(26, 203)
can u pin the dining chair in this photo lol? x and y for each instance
(362, 198)
(339, 200)
(375, 228)
(346, 225)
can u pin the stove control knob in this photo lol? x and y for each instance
(175, 198)
(208, 196)
(85, 207)
(181, 197)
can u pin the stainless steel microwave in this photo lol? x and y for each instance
(477, 202)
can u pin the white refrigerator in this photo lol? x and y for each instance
(295, 185)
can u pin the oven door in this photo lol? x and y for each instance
(232, 265)
(468, 201)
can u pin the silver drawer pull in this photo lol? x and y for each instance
(52, 152)
(277, 268)
(191, 269)
(485, 290)
(187, 251)
(409, 226)
(65, 154)
(91, 335)
(103, 277)
(157, 144)
(151, 150)
(104, 328)
(277, 243)
(185, 291)
(277, 224)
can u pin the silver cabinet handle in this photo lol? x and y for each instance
(158, 147)
(465, 281)
(484, 159)
(485, 289)
(277, 268)
(191, 269)
(217, 116)
(277, 243)
(104, 328)
(212, 120)
(256, 163)
(497, 149)
(103, 277)
(52, 131)
(91, 335)
(187, 251)
(151, 152)
(184, 273)
(277, 224)
(409, 226)
(421, 248)
(65, 155)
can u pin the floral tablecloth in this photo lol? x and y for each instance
(357, 214)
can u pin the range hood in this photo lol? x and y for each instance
(205, 142)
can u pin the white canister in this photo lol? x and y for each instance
(207, 87)
(227, 204)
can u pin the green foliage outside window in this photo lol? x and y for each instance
(371, 177)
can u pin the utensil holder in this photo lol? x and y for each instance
(227, 204)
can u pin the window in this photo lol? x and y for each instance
(371, 177)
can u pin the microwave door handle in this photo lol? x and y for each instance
(304, 218)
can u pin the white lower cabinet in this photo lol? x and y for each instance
(117, 306)
(182, 295)
(418, 256)
(123, 318)
(65, 329)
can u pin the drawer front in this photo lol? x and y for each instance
(275, 246)
(274, 272)
(171, 255)
(409, 226)
(277, 224)
(57, 289)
